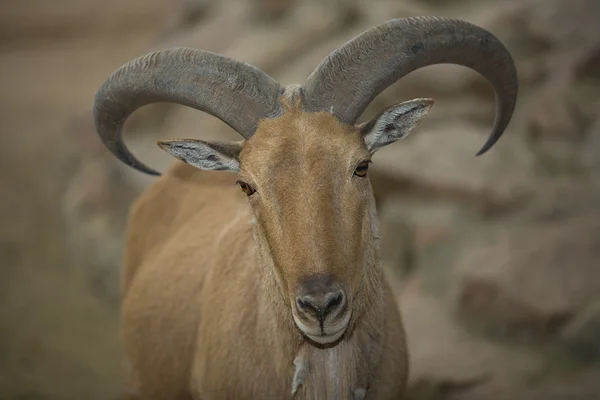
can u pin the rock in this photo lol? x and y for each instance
(556, 200)
(590, 152)
(559, 119)
(95, 208)
(208, 34)
(412, 228)
(432, 389)
(555, 44)
(530, 279)
(397, 244)
(443, 156)
(271, 10)
(553, 114)
(189, 14)
(582, 335)
(561, 385)
(449, 362)
(483, 299)
(273, 46)
(447, 359)
(388, 184)
(534, 27)
(563, 24)
(37, 20)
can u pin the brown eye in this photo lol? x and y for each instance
(362, 169)
(246, 188)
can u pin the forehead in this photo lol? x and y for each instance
(297, 137)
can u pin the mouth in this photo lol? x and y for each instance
(325, 336)
(326, 339)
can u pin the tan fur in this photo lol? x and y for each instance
(207, 295)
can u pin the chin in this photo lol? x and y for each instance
(325, 339)
(330, 335)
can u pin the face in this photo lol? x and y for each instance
(306, 179)
(305, 175)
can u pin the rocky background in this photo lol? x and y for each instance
(495, 259)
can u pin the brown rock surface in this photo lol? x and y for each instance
(447, 359)
(582, 334)
(34, 22)
(533, 278)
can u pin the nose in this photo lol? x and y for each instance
(321, 304)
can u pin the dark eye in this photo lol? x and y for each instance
(362, 169)
(246, 188)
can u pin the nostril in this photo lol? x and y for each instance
(302, 304)
(320, 306)
(334, 301)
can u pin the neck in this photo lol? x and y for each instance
(332, 371)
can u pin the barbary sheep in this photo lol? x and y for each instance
(275, 291)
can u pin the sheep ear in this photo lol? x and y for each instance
(210, 156)
(394, 123)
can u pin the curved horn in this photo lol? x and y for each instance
(352, 76)
(237, 93)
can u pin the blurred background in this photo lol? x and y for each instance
(495, 260)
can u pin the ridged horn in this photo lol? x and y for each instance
(350, 77)
(235, 92)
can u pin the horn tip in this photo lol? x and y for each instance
(488, 145)
(141, 167)
(146, 170)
